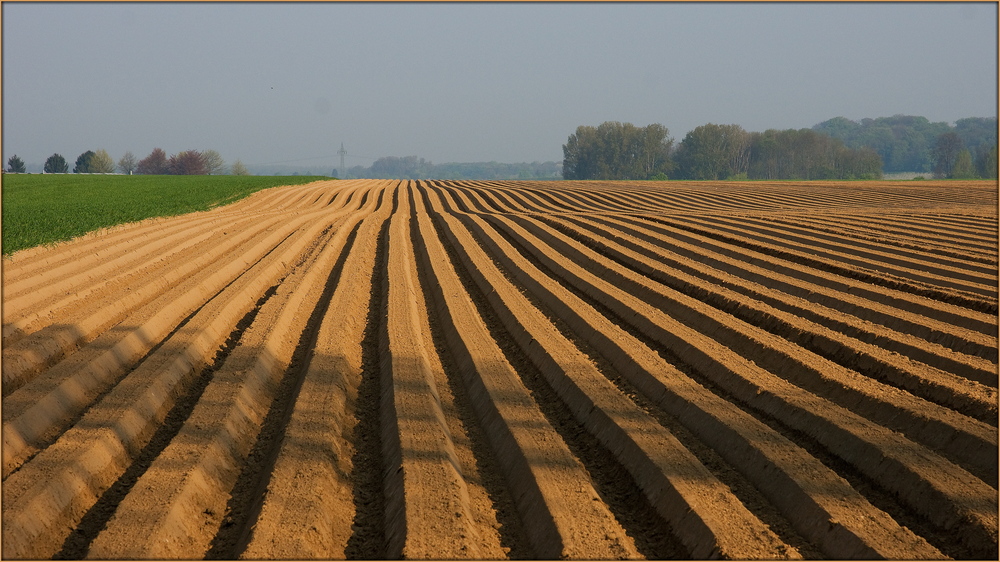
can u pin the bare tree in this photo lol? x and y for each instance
(213, 162)
(127, 163)
(239, 169)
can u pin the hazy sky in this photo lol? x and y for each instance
(270, 83)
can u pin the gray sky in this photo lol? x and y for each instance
(270, 83)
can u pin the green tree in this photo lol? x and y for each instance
(810, 155)
(56, 164)
(101, 163)
(713, 152)
(963, 169)
(945, 154)
(15, 165)
(903, 142)
(764, 153)
(214, 163)
(986, 161)
(656, 148)
(617, 151)
(83, 163)
(976, 132)
(581, 154)
(858, 164)
(839, 128)
(127, 163)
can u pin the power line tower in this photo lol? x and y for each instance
(342, 153)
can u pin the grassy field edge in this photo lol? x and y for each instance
(40, 209)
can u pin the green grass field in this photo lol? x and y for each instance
(42, 209)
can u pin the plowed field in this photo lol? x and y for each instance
(425, 369)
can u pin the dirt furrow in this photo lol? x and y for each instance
(34, 412)
(90, 248)
(552, 201)
(24, 314)
(25, 290)
(791, 322)
(907, 322)
(884, 232)
(910, 470)
(760, 458)
(48, 496)
(509, 369)
(957, 320)
(472, 187)
(98, 244)
(90, 456)
(188, 485)
(428, 511)
(562, 513)
(133, 254)
(969, 290)
(967, 441)
(502, 199)
(83, 313)
(840, 311)
(86, 318)
(814, 237)
(984, 222)
(308, 505)
(698, 507)
(917, 227)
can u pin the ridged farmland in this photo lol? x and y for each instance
(446, 369)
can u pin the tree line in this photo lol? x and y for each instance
(616, 151)
(413, 167)
(613, 151)
(188, 162)
(909, 143)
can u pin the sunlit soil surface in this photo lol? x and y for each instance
(482, 370)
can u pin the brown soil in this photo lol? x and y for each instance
(488, 370)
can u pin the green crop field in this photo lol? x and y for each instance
(42, 209)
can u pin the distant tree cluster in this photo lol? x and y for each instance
(498, 170)
(100, 162)
(188, 162)
(715, 152)
(913, 144)
(412, 167)
(808, 155)
(91, 162)
(835, 149)
(617, 151)
(952, 159)
(407, 167)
